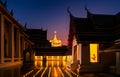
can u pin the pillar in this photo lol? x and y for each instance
(12, 42)
(2, 38)
(74, 43)
(22, 46)
(118, 63)
(18, 44)
(80, 53)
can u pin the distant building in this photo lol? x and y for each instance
(55, 42)
(39, 37)
(89, 37)
(13, 40)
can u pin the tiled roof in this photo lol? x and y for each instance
(94, 28)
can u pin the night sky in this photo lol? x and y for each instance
(51, 15)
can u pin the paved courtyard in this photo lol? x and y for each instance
(47, 69)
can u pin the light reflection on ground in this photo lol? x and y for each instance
(45, 69)
(50, 63)
(50, 68)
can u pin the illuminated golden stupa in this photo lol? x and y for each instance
(55, 42)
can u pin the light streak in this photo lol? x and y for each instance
(49, 72)
(68, 73)
(55, 72)
(37, 72)
(61, 72)
(75, 73)
(28, 73)
(44, 71)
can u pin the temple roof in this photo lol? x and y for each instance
(96, 27)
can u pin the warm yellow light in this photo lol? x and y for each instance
(93, 52)
(52, 58)
(52, 62)
(55, 42)
(69, 59)
(47, 64)
(38, 58)
(46, 57)
(57, 63)
(64, 58)
(41, 58)
(35, 63)
(41, 63)
(49, 72)
(64, 63)
(55, 72)
(57, 57)
(35, 57)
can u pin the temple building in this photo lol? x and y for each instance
(39, 37)
(91, 41)
(14, 42)
(55, 42)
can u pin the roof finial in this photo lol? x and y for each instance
(55, 32)
(11, 12)
(86, 9)
(88, 12)
(69, 11)
(5, 3)
(25, 25)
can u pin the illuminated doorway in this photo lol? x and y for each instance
(94, 52)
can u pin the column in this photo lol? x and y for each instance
(12, 42)
(18, 44)
(80, 53)
(118, 63)
(72, 52)
(23, 45)
(2, 39)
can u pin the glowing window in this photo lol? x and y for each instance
(93, 52)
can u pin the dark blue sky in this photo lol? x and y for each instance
(51, 15)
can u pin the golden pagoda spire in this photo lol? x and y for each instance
(55, 42)
(55, 37)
